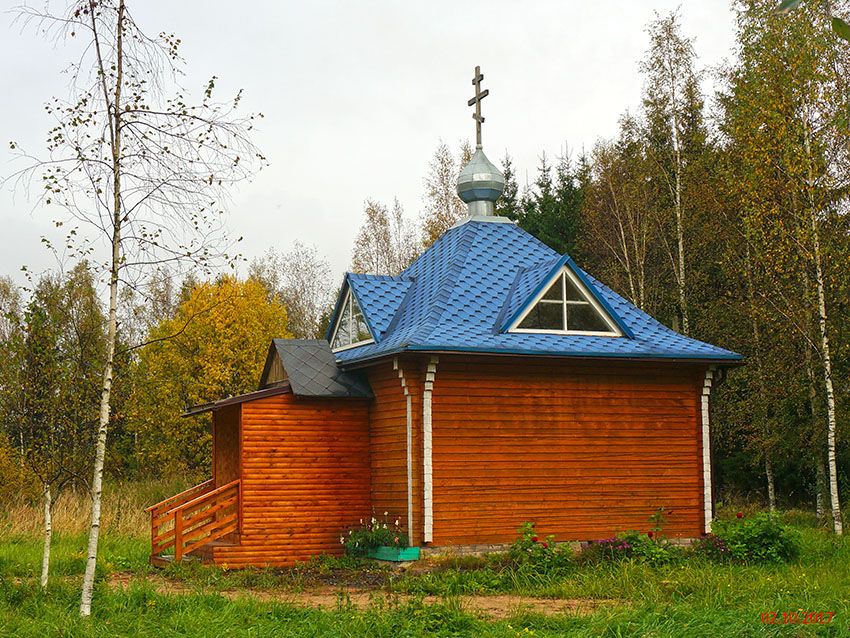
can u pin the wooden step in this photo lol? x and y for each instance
(157, 560)
(205, 552)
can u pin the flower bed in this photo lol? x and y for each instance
(379, 539)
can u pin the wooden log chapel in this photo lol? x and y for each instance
(492, 382)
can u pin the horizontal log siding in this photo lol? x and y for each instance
(388, 441)
(305, 478)
(585, 450)
(226, 445)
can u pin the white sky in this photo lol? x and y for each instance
(357, 96)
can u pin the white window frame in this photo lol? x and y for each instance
(346, 304)
(564, 302)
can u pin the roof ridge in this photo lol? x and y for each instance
(459, 257)
(363, 275)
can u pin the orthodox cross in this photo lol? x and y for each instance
(479, 95)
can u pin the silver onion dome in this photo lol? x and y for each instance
(480, 184)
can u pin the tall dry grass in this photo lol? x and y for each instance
(123, 510)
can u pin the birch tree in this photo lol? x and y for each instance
(53, 407)
(443, 208)
(673, 106)
(386, 243)
(785, 114)
(139, 172)
(40, 420)
(620, 220)
(302, 279)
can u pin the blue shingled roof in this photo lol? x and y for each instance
(382, 295)
(462, 292)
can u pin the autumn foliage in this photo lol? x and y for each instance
(213, 347)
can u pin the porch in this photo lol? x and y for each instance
(290, 468)
(196, 520)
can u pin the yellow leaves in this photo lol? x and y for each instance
(214, 347)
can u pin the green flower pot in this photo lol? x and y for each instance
(395, 554)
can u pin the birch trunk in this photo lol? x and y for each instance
(771, 484)
(680, 223)
(826, 356)
(106, 392)
(830, 392)
(48, 534)
(680, 234)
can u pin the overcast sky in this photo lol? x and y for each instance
(357, 96)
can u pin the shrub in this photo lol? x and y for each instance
(713, 547)
(649, 548)
(606, 550)
(762, 538)
(539, 555)
(374, 533)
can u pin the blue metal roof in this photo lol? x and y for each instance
(462, 292)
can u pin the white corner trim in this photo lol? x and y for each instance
(409, 447)
(705, 397)
(427, 451)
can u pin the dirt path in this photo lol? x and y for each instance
(495, 607)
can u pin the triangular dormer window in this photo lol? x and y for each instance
(565, 306)
(351, 329)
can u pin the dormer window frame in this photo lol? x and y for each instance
(347, 306)
(564, 302)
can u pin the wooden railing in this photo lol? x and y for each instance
(193, 518)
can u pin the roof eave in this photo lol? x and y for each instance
(732, 359)
(282, 388)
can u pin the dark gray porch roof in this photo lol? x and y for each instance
(312, 370)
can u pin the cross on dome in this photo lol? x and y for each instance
(476, 101)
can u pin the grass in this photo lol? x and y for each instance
(691, 597)
(123, 509)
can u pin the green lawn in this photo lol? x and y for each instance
(689, 598)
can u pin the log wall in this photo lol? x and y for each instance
(226, 445)
(585, 450)
(305, 478)
(388, 441)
